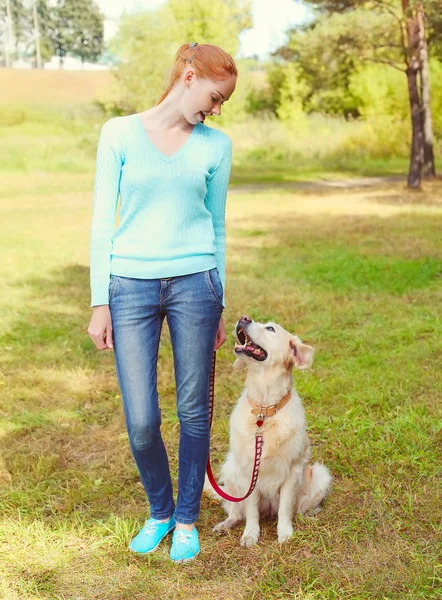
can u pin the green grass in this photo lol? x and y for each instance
(356, 273)
(363, 289)
(35, 140)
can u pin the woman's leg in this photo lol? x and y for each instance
(193, 310)
(136, 320)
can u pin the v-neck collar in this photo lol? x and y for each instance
(160, 154)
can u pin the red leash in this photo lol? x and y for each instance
(259, 442)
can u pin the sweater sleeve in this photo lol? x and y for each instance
(109, 163)
(217, 184)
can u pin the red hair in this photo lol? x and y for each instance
(208, 61)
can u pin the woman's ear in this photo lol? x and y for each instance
(189, 77)
(301, 355)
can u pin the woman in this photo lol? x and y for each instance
(166, 258)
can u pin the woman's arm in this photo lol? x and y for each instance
(106, 190)
(217, 184)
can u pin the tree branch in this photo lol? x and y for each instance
(384, 62)
(382, 5)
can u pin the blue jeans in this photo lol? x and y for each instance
(193, 307)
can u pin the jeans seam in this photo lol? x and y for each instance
(156, 360)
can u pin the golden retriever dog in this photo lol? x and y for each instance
(287, 482)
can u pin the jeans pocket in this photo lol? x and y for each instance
(112, 286)
(215, 285)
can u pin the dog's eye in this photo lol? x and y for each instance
(270, 328)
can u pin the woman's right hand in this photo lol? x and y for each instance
(100, 327)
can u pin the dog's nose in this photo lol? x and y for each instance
(246, 319)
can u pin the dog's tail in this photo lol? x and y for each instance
(316, 483)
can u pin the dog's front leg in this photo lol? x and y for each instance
(288, 493)
(251, 530)
(234, 512)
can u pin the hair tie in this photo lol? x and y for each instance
(193, 44)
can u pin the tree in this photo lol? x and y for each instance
(75, 27)
(89, 31)
(44, 22)
(401, 48)
(21, 22)
(429, 169)
(330, 49)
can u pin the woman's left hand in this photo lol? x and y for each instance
(220, 335)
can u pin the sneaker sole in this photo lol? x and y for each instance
(185, 560)
(154, 548)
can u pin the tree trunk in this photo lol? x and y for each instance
(413, 65)
(429, 169)
(417, 138)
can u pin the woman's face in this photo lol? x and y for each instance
(205, 97)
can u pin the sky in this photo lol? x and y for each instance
(271, 18)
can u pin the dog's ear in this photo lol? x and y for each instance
(301, 355)
(239, 364)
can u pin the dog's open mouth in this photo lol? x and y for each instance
(248, 347)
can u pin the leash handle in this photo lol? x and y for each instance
(259, 442)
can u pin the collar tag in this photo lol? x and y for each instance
(260, 420)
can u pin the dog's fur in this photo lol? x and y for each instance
(287, 481)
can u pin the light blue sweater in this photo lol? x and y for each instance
(172, 209)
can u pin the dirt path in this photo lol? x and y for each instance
(318, 184)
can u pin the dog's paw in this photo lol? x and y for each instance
(285, 532)
(314, 511)
(250, 538)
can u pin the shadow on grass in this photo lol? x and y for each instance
(362, 288)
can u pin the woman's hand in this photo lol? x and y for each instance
(100, 327)
(220, 335)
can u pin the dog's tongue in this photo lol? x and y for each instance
(254, 349)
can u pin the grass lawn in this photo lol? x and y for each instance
(356, 273)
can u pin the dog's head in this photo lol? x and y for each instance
(269, 345)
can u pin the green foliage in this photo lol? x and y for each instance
(46, 14)
(380, 90)
(266, 97)
(147, 42)
(88, 39)
(292, 91)
(381, 98)
(234, 110)
(436, 95)
(282, 94)
(66, 26)
(219, 22)
(330, 49)
(378, 137)
(146, 45)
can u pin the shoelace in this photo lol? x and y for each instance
(149, 528)
(183, 537)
